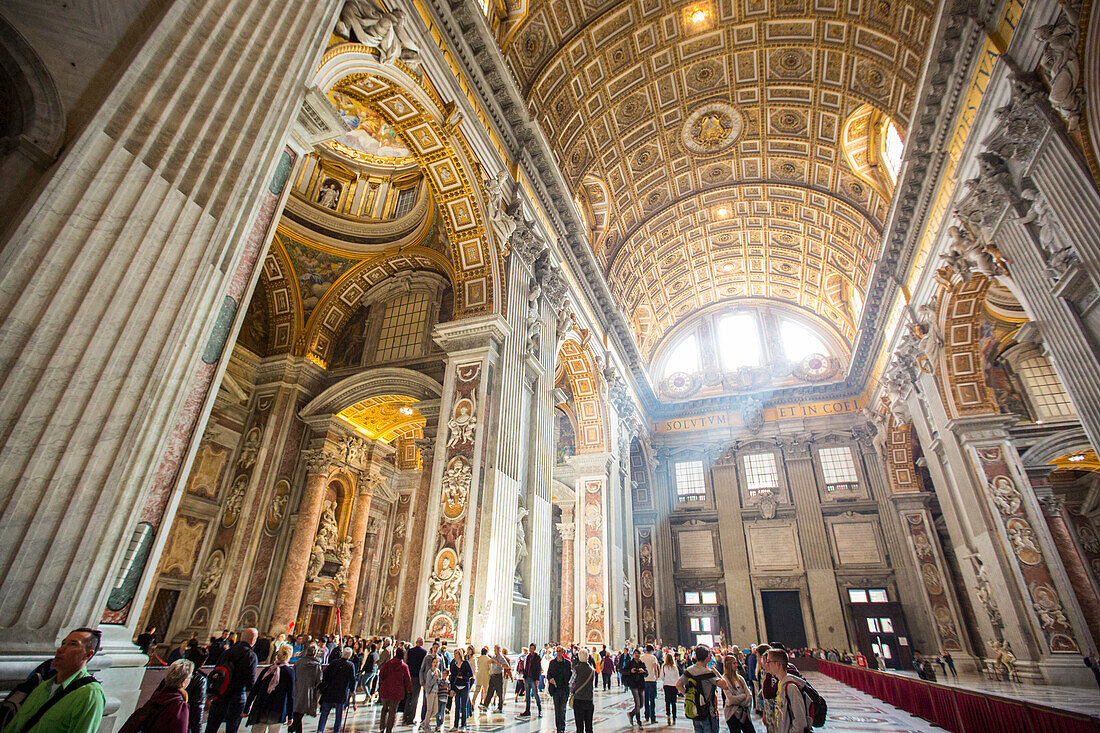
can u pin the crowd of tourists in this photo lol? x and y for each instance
(270, 682)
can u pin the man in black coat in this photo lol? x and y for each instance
(414, 659)
(558, 673)
(337, 683)
(241, 662)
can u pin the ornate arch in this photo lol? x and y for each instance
(341, 300)
(963, 386)
(284, 303)
(415, 111)
(898, 457)
(577, 365)
(373, 383)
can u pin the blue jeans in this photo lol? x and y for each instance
(651, 701)
(709, 724)
(441, 713)
(338, 707)
(531, 688)
(462, 707)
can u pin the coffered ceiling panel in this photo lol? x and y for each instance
(715, 131)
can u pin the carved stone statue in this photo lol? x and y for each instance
(1061, 67)
(343, 555)
(534, 321)
(316, 563)
(367, 23)
(767, 503)
(985, 594)
(445, 584)
(329, 196)
(1058, 250)
(212, 574)
(931, 340)
(521, 543)
(496, 197)
(462, 424)
(327, 528)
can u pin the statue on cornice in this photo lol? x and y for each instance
(1062, 67)
(365, 22)
(1058, 250)
(534, 320)
(931, 339)
(496, 198)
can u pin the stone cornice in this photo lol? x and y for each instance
(471, 334)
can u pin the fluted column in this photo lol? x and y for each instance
(301, 543)
(357, 533)
(568, 529)
(828, 616)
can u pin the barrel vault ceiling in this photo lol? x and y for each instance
(703, 142)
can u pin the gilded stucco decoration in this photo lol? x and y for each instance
(393, 112)
(584, 384)
(718, 136)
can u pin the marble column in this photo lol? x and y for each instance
(828, 615)
(1054, 508)
(319, 465)
(568, 530)
(357, 533)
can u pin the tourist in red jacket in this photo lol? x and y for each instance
(394, 683)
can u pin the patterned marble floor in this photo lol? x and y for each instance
(850, 711)
(1078, 699)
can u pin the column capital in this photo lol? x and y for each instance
(1052, 506)
(477, 334)
(982, 428)
(590, 464)
(913, 500)
(568, 531)
(320, 461)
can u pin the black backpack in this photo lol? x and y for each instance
(217, 682)
(816, 707)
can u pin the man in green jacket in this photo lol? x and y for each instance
(79, 705)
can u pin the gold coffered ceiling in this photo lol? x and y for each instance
(704, 143)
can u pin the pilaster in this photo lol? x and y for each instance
(828, 615)
(735, 557)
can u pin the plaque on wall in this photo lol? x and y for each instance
(773, 546)
(857, 543)
(696, 549)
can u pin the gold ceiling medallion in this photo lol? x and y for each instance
(712, 128)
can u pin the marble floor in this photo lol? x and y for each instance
(1078, 699)
(850, 711)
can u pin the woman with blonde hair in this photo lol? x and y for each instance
(738, 698)
(271, 701)
(166, 711)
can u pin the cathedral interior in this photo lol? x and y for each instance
(592, 321)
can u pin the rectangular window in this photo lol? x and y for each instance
(709, 597)
(887, 625)
(857, 595)
(872, 625)
(839, 469)
(694, 624)
(403, 328)
(882, 650)
(704, 623)
(689, 481)
(761, 473)
(704, 639)
(405, 199)
(691, 598)
(876, 595)
(1045, 389)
